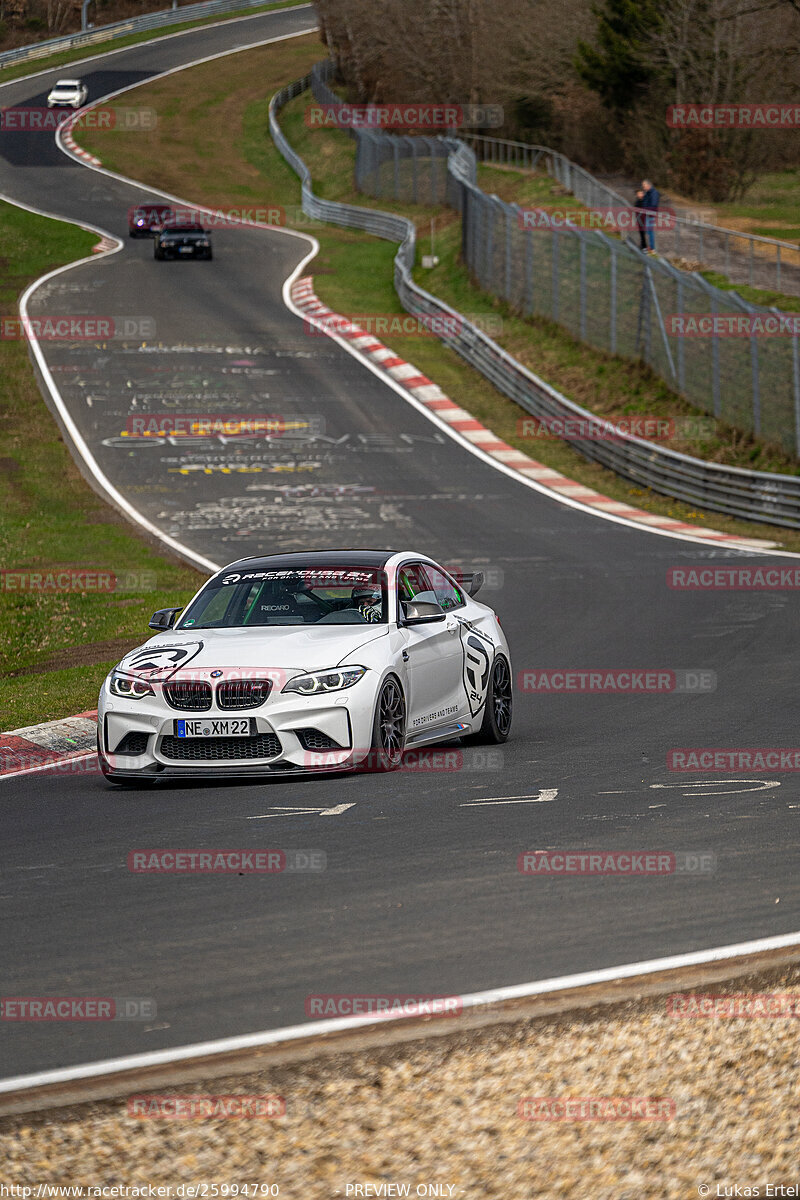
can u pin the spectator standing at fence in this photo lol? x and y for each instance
(650, 202)
(639, 217)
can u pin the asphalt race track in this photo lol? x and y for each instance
(421, 894)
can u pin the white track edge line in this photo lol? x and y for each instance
(475, 449)
(77, 62)
(294, 1033)
(78, 441)
(380, 374)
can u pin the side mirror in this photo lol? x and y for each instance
(164, 619)
(421, 612)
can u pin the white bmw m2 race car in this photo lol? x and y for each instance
(329, 660)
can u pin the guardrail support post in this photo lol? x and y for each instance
(756, 390)
(554, 299)
(715, 362)
(612, 328)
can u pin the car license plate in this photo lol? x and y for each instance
(216, 727)
(187, 249)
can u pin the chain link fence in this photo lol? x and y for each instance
(604, 290)
(754, 495)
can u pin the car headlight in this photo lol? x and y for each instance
(325, 681)
(129, 686)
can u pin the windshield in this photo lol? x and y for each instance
(312, 595)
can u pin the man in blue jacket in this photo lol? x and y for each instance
(650, 202)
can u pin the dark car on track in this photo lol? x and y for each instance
(182, 241)
(147, 219)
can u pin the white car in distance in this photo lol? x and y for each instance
(68, 93)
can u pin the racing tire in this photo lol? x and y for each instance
(388, 728)
(498, 710)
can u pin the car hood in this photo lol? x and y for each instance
(305, 648)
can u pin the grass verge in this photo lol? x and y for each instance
(56, 647)
(354, 272)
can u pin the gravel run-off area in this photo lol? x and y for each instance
(442, 1116)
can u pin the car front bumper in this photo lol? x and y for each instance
(345, 718)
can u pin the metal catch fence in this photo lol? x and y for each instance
(753, 495)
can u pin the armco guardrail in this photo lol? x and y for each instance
(752, 495)
(106, 33)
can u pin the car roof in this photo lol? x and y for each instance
(182, 227)
(317, 558)
(67, 83)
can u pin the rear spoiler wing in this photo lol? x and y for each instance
(471, 583)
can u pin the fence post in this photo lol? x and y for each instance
(509, 215)
(681, 347)
(778, 268)
(715, 388)
(612, 331)
(643, 322)
(583, 289)
(396, 155)
(796, 385)
(414, 170)
(756, 388)
(488, 241)
(528, 302)
(554, 297)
